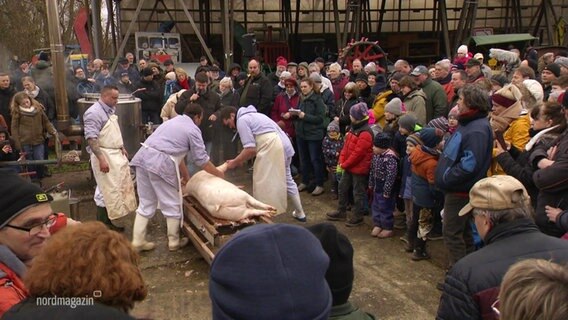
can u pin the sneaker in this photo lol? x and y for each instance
(433, 236)
(376, 231)
(336, 216)
(302, 187)
(385, 234)
(353, 222)
(317, 191)
(420, 255)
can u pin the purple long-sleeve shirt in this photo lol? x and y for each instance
(175, 137)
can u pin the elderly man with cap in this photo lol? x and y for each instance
(436, 98)
(550, 72)
(26, 222)
(473, 70)
(270, 271)
(501, 209)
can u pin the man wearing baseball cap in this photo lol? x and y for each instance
(436, 98)
(501, 209)
(26, 222)
(473, 70)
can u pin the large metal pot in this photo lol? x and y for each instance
(129, 112)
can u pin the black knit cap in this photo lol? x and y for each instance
(382, 140)
(339, 275)
(17, 196)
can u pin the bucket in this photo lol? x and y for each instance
(74, 208)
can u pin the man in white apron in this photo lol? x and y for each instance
(114, 195)
(161, 172)
(263, 138)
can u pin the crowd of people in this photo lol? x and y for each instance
(450, 150)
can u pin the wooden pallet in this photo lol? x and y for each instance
(207, 233)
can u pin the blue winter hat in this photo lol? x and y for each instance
(270, 271)
(431, 137)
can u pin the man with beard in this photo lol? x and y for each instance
(6, 94)
(257, 90)
(209, 101)
(149, 91)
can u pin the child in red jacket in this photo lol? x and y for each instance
(355, 162)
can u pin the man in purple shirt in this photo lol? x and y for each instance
(161, 173)
(262, 138)
(114, 195)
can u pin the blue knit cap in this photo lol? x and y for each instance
(270, 271)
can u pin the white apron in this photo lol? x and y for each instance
(269, 175)
(116, 185)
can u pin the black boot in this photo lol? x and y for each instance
(102, 216)
(420, 250)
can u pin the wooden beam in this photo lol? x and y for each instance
(197, 33)
(126, 36)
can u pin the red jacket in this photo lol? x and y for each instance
(281, 105)
(12, 289)
(357, 152)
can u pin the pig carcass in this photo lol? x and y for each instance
(223, 199)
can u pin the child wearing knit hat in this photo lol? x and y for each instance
(424, 160)
(453, 119)
(382, 177)
(354, 163)
(331, 146)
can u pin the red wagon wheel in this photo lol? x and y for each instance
(366, 51)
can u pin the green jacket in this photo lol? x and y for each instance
(347, 311)
(312, 126)
(437, 100)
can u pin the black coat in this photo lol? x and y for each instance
(151, 97)
(552, 183)
(210, 102)
(5, 99)
(257, 91)
(472, 285)
(47, 101)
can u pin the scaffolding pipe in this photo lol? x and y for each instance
(58, 62)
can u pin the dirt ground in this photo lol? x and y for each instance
(387, 284)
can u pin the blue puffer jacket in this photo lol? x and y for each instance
(467, 154)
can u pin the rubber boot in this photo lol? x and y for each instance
(298, 212)
(139, 234)
(174, 240)
(102, 216)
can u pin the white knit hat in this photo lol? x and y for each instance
(535, 88)
(462, 49)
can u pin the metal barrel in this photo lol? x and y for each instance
(129, 112)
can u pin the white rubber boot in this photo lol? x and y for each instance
(298, 212)
(174, 240)
(139, 234)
